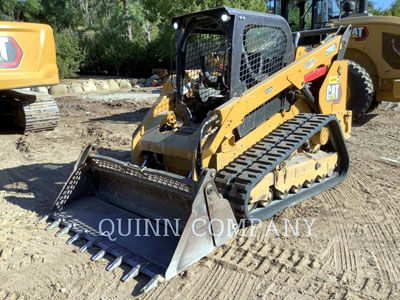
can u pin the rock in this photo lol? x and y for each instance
(137, 86)
(41, 89)
(125, 84)
(60, 89)
(75, 88)
(161, 73)
(151, 82)
(113, 85)
(142, 80)
(63, 290)
(5, 253)
(103, 85)
(395, 106)
(114, 102)
(134, 81)
(89, 86)
(154, 77)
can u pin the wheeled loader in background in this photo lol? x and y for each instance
(255, 123)
(373, 51)
(27, 59)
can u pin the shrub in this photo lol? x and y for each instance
(69, 53)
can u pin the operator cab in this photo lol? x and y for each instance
(209, 73)
(315, 14)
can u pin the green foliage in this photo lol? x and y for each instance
(27, 10)
(108, 48)
(394, 9)
(161, 12)
(61, 14)
(69, 53)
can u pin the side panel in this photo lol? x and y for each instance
(27, 55)
(332, 95)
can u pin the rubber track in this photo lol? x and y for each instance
(237, 180)
(41, 115)
(227, 175)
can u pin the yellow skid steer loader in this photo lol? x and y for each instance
(254, 123)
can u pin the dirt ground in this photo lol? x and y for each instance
(352, 253)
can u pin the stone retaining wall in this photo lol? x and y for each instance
(90, 85)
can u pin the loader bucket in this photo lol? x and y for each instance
(157, 222)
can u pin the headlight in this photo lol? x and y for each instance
(175, 25)
(225, 18)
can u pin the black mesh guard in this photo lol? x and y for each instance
(205, 64)
(263, 52)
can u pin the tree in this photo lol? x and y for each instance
(61, 14)
(127, 19)
(69, 53)
(160, 12)
(14, 10)
(394, 9)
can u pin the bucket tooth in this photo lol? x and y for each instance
(86, 246)
(98, 255)
(42, 219)
(65, 230)
(132, 273)
(53, 225)
(116, 263)
(152, 283)
(73, 239)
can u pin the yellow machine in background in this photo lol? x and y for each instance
(27, 59)
(373, 51)
(375, 45)
(255, 123)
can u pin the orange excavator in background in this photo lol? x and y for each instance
(27, 59)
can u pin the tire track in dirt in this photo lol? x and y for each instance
(373, 231)
(344, 257)
(383, 234)
(362, 180)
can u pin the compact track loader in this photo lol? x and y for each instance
(27, 59)
(255, 123)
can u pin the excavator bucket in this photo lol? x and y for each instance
(156, 222)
